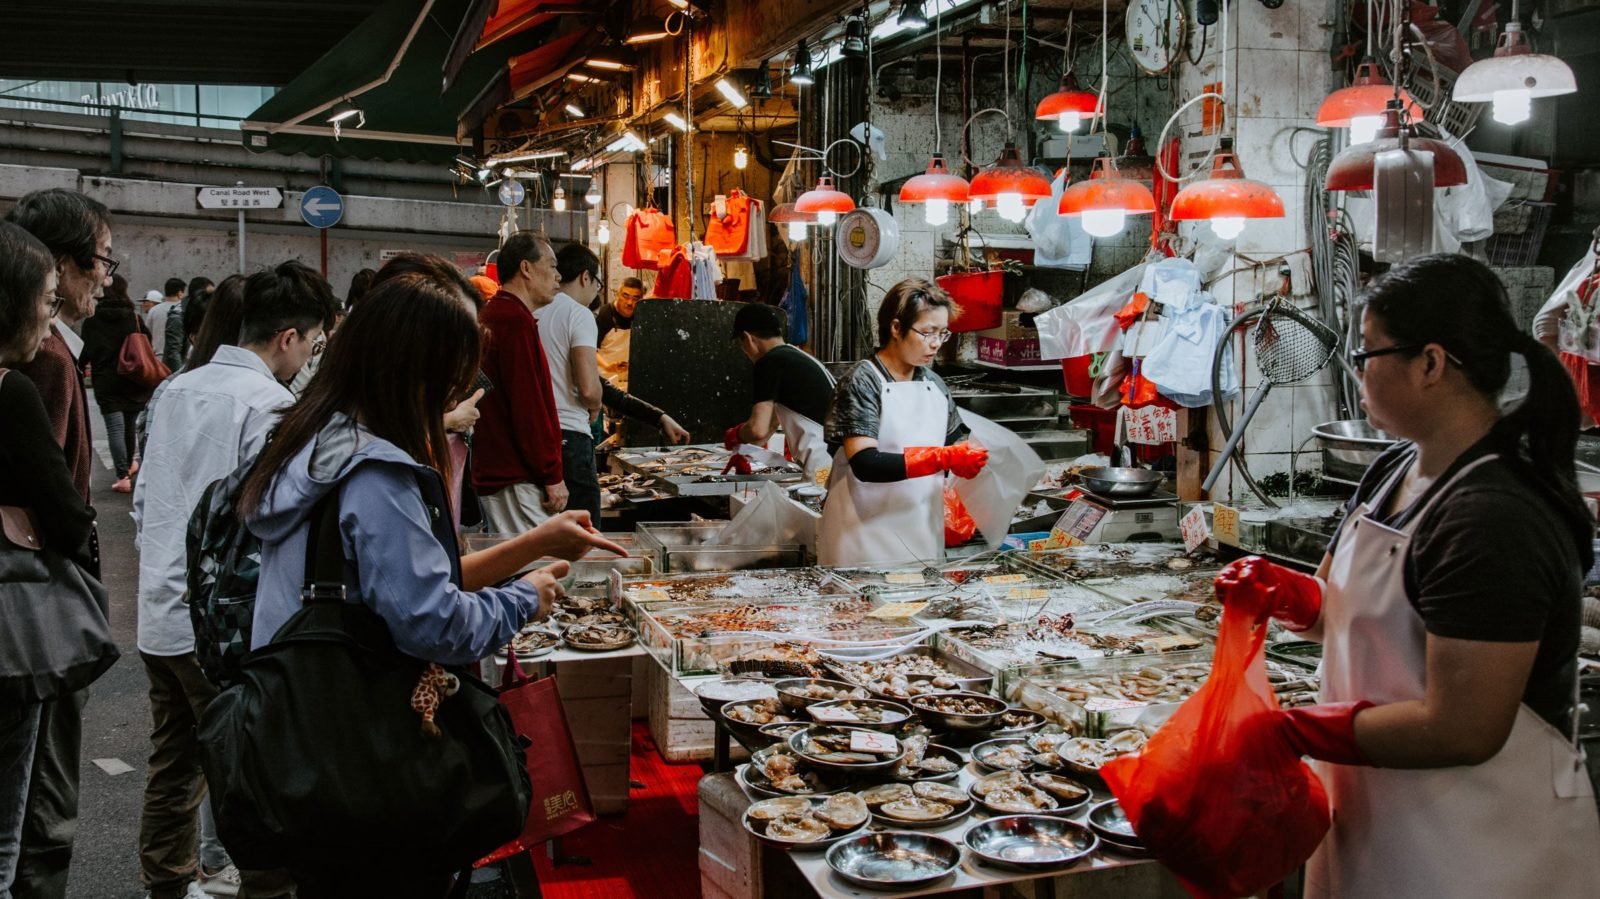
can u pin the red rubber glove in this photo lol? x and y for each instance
(962, 460)
(1326, 732)
(1268, 589)
(738, 463)
(730, 437)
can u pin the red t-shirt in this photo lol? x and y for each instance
(517, 439)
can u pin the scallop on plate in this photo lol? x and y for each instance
(801, 823)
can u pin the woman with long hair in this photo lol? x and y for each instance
(895, 432)
(121, 400)
(1448, 608)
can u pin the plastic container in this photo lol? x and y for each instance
(978, 297)
(1075, 371)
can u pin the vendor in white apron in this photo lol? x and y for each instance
(896, 434)
(790, 388)
(615, 332)
(1448, 608)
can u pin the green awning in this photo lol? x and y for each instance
(391, 69)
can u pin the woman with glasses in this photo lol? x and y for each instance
(33, 476)
(895, 432)
(121, 400)
(1448, 608)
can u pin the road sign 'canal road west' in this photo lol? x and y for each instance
(238, 197)
(321, 207)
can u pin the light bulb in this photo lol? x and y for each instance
(602, 234)
(1512, 107)
(1070, 120)
(1009, 205)
(1364, 128)
(1228, 227)
(797, 230)
(558, 201)
(740, 158)
(827, 217)
(975, 205)
(936, 212)
(593, 196)
(1104, 222)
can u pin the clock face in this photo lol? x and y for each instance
(1155, 33)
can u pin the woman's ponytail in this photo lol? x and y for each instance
(1547, 419)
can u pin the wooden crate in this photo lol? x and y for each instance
(597, 696)
(730, 859)
(683, 732)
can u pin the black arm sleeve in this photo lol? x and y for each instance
(35, 474)
(876, 466)
(629, 405)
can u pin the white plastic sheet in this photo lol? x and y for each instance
(1086, 324)
(993, 496)
(772, 517)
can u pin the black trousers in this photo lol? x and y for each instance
(577, 467)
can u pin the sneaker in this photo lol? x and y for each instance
(223, 883)
(124, 485)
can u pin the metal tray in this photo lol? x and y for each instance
(1057, 445)
(968, 677)
(690, 546)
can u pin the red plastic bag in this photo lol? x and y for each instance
(958, 524)
(1230, 810)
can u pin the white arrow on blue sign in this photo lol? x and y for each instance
(321, 207)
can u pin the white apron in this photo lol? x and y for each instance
(1522, 824)
(886, 524)
(612, 357)
(804, 437)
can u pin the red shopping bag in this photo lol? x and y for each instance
(560, 797)
(958, 524)
(1215, 795)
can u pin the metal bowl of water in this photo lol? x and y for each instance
(1032, 842)
(894, 860)
(1121, 483)
(1349, 447)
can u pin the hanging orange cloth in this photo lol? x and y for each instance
(649, 233)
(729, 234)
(676, 280)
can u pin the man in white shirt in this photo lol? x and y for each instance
(569, 335)
(156, 318)
(209, 421)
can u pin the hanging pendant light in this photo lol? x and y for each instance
(912, 16)
(801, 73)
(935, 189)
(592, 197)
(763, 86)
(824, 202)
(1360, 106)
(1070, 104)
(558, 200)
(1355, 167)
(1010, 185)
(794, 222)
(602, 233)
(1226, 198)
(1106, 200)
(1514, 77)
(741, 158)
(855, 38)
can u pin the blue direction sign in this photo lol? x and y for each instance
(321, 207)
(512, 192)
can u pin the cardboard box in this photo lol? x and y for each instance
(1012, 328)
(1000, 351)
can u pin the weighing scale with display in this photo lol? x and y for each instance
(1098, 519)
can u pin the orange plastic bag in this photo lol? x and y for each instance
(958, 524)
(1230, 809)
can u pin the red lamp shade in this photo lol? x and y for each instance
(935, 184)
(1107, 191)
(1227, 194)
(1368, 95)
(783, 213)
(824, 199)
(1069, 103)
(1353, 168)
(1008, 175)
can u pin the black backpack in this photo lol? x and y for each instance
(224, 568)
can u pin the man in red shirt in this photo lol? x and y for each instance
(516, 458)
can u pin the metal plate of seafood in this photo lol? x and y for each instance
(597, 637)
(918, 670)
(1006, 754)
(894, 860)
(800, 823)
(1083, 755)
(530, 644)
(744, 718)
(923, 805)
(927, 761)
(874, 714)
(1038, 793)
(1032, 842)
(958, 711)
(829, 747)
(776, 771)
(798, 692)
(1111, 822)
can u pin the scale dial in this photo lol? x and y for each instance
(1155, 34)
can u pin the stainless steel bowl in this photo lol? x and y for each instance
(1109, 821)
(894, 715)
(1121, 483)
(747, 733)
(798, 703)
(955, 721)
(758, 830)
(1031, 721)
(1032, 842)
(797, 745)
(713, 695)
(1349, 447)
(894, 860)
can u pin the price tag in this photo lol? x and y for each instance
(904, 577)
(833, 713)
(1027, 593)
(1004, 579)
(1101, 704)
(1078, 522)
(897, 610)
(1193, 526)
(1151, 425)
(1225, 524)
(1040, 544)
(872, 741)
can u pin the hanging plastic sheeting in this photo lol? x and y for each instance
(1058, 241)
(1179, 363)
(1466, 212)
(1087, 325)
(771, 518)
(992, 498)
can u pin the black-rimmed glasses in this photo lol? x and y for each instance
(110, 264)
(1359, 360)
(55, 301)
(933, 338)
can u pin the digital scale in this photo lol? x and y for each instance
(1098, 519)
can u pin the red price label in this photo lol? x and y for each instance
(872, 741)
(1194, 529)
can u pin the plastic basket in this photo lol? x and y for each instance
(978, 297)
(1450, 116)
(1521, 247)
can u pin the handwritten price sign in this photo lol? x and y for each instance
(1193, 526)
(1151, 425)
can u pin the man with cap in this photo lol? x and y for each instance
(791, 388)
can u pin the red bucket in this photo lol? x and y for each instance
(1075, 371)
(978, 297)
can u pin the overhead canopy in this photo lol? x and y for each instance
(259, 42)
(390, 68)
